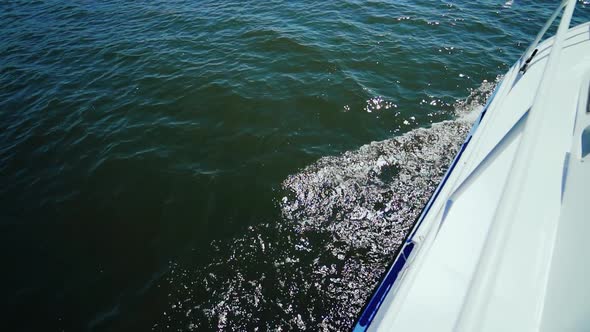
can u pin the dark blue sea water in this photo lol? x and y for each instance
(208, 165)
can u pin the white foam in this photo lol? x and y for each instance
(343, 219)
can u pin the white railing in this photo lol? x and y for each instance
(519, 201)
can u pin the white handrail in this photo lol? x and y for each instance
(529, 51)
(481, 291)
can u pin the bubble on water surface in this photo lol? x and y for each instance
(378, 103)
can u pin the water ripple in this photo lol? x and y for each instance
(144, 148)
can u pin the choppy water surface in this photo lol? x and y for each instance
(235, 165)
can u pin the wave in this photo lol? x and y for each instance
(343, 218)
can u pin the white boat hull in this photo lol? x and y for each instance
(502, 244)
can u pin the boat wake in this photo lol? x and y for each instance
(343, 219)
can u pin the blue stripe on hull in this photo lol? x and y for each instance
(370, 310)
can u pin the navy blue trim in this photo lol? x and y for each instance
(403, 254)
(377, 298)
(386, 284)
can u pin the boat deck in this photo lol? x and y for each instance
(501, 245)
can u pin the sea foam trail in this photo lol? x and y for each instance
(343, 219)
